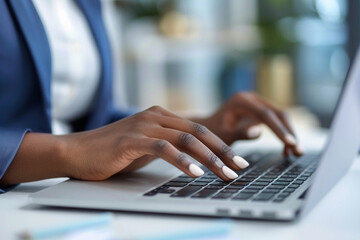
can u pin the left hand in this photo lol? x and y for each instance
(240, 118)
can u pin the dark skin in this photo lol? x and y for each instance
(133, 142)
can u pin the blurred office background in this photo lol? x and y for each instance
(190, 55)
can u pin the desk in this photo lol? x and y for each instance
(336, 217)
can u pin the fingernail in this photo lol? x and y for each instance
(240, 162)
(229, 173)
(196, 170)
(290, 139)
(254, 131)
(300, 149)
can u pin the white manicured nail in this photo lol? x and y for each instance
(229, 173)
(290, 139)
(196, 170)
(254, 131)
(300, 149)
(240, 162)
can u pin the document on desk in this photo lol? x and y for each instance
(102, 227)
(218, 230)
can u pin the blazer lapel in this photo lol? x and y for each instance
(35, 37)
(100, 112)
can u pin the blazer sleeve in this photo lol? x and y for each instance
(10, 140)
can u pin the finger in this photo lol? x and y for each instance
(281, 115)
(252, 105)
(165, 150)
(298, 151)
(213, 142)
(286, 152)
(295, 149)
(189, 144)
(268, 117)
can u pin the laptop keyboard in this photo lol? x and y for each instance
(273, 179)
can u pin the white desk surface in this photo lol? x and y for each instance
(337, 216)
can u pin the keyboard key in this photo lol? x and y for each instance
(167, 191)
(255, 187)
(289, 190)
(264, 197)
(186, 191)
(208, 177)
(294, 185)
(229, 190)
(235, 187)
(203, 181)
(246, 179)
(288, 175)
(283, 195)
(175, 184)
(265, 179)
(182, 179)
(213, 187)
(258, 183)
(218, 184)
(198, 184)
(282, 183)
(155, 191)
(219, 181)
(150, 194)
(271, 190)
(243, 196)
(298, 181)
(302, 178)
(222, 196)
(285, 179)
(276, 187)
(271, 176)
(252, 191)
(239, 183)
(204, 193)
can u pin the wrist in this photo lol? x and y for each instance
(67, 151)
(61, 155)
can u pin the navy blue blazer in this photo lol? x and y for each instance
(25, 75)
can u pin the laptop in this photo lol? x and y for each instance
(271, 188)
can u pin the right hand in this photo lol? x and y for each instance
(154, 133)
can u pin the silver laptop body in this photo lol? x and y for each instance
(126, 192)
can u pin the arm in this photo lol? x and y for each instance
(39, 156)
(100, 153)
(154, 133)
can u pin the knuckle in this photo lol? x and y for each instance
(199, 129)
(239, 95)
(283, 115)
(243, 95)
(266, 113)
(137, 127)
(186, 138)
(212, 158)
(225, 149)
(182, 159)
(155, 108)
(161, 145)
(145, 116)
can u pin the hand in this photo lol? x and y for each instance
(154, 133)
(240, 118)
